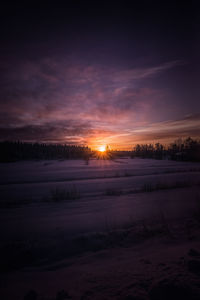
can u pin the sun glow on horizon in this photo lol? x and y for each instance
(102, 148)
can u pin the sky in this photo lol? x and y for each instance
(97, 73)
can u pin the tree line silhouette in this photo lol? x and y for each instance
(183, 150)
(14, 151)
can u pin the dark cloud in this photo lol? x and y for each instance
(55, 132)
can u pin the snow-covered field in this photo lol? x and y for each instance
(102, 197)
(109, 193)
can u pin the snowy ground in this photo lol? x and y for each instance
(132, 198)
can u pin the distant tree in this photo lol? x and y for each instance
(185, 150)
(14, 151)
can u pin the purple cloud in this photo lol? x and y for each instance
(55, 100)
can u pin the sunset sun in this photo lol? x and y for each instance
(102, 148)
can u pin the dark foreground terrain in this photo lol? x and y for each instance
(124, 229)
(147, 262)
